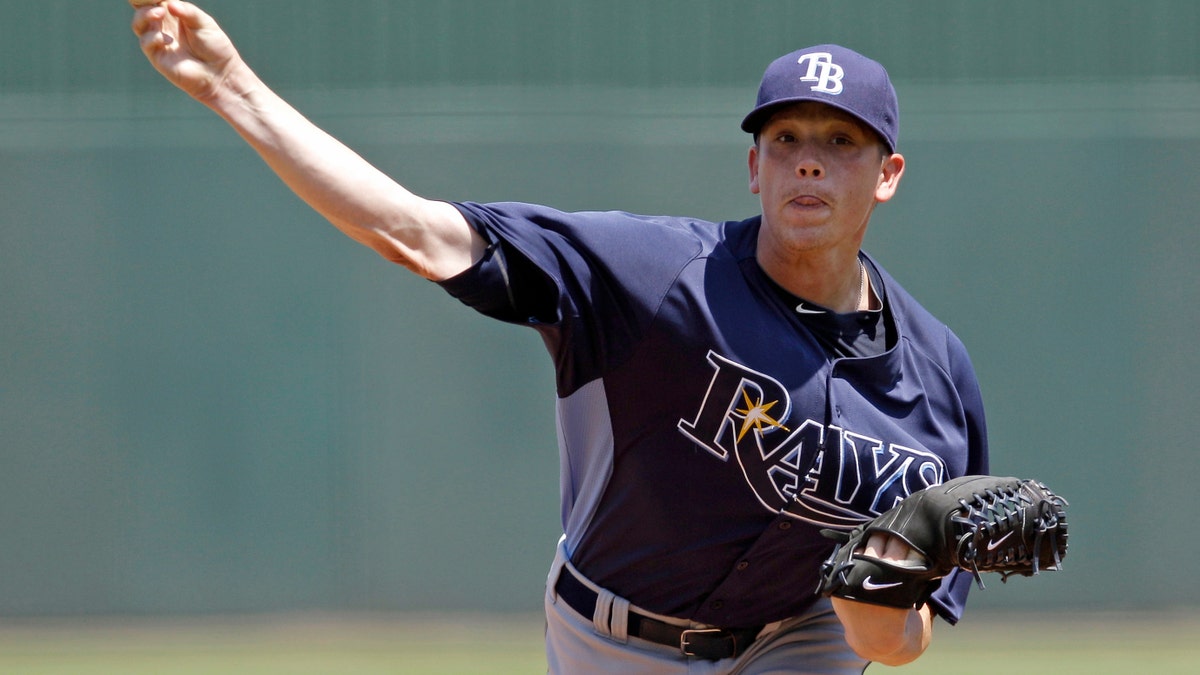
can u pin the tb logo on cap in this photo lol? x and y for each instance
(823, 71)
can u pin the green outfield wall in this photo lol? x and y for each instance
(211, 401)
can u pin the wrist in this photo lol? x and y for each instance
(235, 87)
(883, 634)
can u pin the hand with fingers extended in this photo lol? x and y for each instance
(187, 46)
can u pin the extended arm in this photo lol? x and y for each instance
(428, 237)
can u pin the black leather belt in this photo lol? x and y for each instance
(712, 644)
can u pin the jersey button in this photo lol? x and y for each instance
(742, 566)
(717, 604)
(785, 525)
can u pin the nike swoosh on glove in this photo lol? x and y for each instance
(976, 523)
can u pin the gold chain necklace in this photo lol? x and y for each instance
(862, 284)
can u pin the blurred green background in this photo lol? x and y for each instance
(210, 401)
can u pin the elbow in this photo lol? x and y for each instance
(431, 239)
(425, 266)
(392, 253)
(390, 249)
(435, 255)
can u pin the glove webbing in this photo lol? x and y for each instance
(994, 515)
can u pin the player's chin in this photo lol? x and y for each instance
(801, 234)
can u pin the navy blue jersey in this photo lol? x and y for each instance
(706, 435)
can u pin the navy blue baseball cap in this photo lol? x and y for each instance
(835, 76)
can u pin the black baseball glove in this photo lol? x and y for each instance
(977, 523)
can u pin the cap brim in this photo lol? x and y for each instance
(753, 123)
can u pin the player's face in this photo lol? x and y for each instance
(819, 173)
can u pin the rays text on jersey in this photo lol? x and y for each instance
(824, 474)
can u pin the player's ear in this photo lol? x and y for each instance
(890, 172)
(753, 162)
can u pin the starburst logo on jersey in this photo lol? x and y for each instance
(827, 475)
(755, 416)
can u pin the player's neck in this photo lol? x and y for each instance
(836, 283)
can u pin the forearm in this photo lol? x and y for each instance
(885, 635)
(188, 47)
(428, 237)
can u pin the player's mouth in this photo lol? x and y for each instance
(808, 201)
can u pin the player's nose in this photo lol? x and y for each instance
(809, 166)
(807, 158)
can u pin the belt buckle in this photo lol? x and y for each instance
(685, 645)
